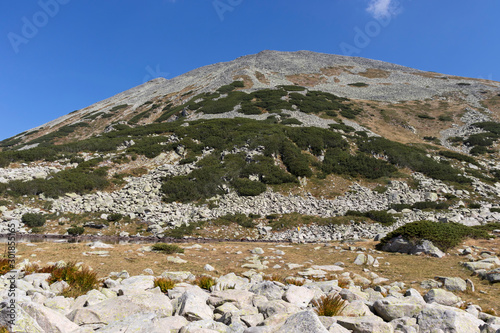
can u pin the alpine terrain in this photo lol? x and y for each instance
(279, 147)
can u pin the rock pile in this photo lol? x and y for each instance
(239, 305)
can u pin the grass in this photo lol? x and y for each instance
(4, 266)
(228, 257)
(205, 282)
(329, 306)
(80, 279)
(167, 248)
(164, 284)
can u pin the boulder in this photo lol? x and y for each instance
(194, 307)
(299, 296)
(119, 308)
(453, 283)
(448, 319)
(49, 320)
(401, 245)
(391, 308)
(303, 322)
(267, 289)
(367, 324)
(442, 297)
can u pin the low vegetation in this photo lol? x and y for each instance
(205, 282)
(444, 235)
(167, 248)
(329, 305)
(80, 279)
(164, 284)
(33, 219)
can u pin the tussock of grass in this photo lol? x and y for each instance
(164, 284)
(80, 279)
(4, 266)
(274, 277)
(330, 305)
(167, 248)
(205, 282)
(295, 282)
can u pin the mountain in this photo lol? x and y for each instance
(265, 140)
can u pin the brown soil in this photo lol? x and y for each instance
(224, 257)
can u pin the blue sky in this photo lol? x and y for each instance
(57, 56)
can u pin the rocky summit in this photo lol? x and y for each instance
(295, 147)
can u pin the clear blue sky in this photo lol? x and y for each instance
(57, 56)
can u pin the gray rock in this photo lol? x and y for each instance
(48, 319)
(399, 244)
(391, 308)
(299, 296)
(303, 322)
(267, 289)
(119, 308)
(453, 283)
(493, 276)
(442, 297)
(194, 307)
(448, 319)
(367, 324)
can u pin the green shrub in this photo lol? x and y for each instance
(246, 187)
(341, 162)
(114, 217)
(474, 205)
(478, 150)
(445, 118)
(75, 231)
(443, 235)
(413, 158)
(380, 216)
(167, 248)
(457, 156)
(358, 84)
(431, 205)
(343, 127)
(291, 121)
(33, 219)
(425, 116)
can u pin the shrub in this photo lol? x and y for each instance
(358, 84)
(457, 156)
(205, 282)
(246, 187)
(33, 220)
(475, 205)
(445, 118)
(430, 205)
(443, 235)
(478, 150)
(114, 217)
(75, 231)
(329, 305)
(167, 248)
(164, 284)
(381, 216)
(80, 279)
(425, 116)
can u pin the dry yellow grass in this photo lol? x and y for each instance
(228, 257)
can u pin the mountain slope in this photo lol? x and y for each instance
(267, 135)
